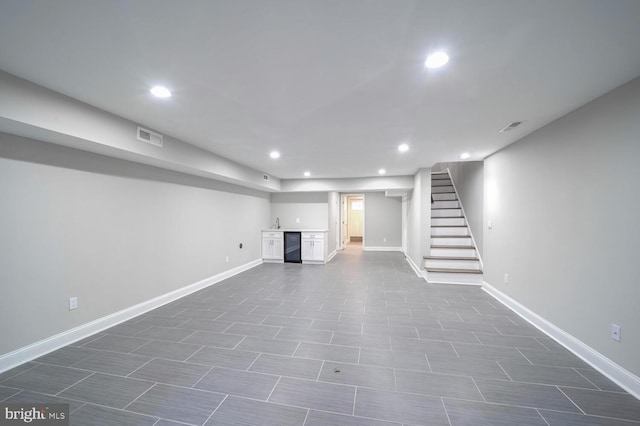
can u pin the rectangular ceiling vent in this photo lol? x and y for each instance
(265, 177)
(146, 135)
(510, 126)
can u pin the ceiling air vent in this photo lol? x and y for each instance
(265, 177)
(148, 136)
(510, 126)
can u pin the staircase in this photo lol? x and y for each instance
(453, 258)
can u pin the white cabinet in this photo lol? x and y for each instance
(313, 247)
(272, 246)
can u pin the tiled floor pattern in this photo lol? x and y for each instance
(359, 341)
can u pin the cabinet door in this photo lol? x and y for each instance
(272, 248)
(307, 250)
(318, 250)
(278, 250)
(266, 248)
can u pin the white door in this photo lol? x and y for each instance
(356, 217)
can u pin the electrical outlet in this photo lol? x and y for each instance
(616, 332)
(226, 259)
(506, 278)
(73, 303)
(297, 220)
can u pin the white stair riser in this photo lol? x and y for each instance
(443, 241)
(437, 189)
(446, 212)
(452, 252)
(450, 231)
(451, 221)
(445, 204)
(440, 182)
(453, 264)
(445, 196)
(456, 278)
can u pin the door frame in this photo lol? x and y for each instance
(344, 217)
(404, 224)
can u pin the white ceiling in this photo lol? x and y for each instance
(334, 85)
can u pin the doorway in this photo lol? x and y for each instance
(352, 219)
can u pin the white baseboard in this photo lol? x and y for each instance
(369, 248)
(419, 272)
(43, 347)
(623, 378)
(331, 255)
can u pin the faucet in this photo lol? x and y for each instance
(277, 223)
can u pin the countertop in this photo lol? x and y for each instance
(296, 230)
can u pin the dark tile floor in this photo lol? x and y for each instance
(359, 341)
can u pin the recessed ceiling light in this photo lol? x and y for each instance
(160, 92)
(307, 174)
(436, 59)
(382, 171)
(403, 148)
(274, 154)
(465, 155)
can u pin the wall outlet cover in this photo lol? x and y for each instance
(616, 332)
(73, 303)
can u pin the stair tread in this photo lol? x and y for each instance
(447, 217)
(450, 236)
(449, 226)
(439, 246)
(450, 258)
(444, 208)
(455, 271)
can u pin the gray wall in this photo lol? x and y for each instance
(468, 177)
(419, 218)
(111, 232)
(565, 205)
(312, 208)
(348, 185)
(383, 220)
